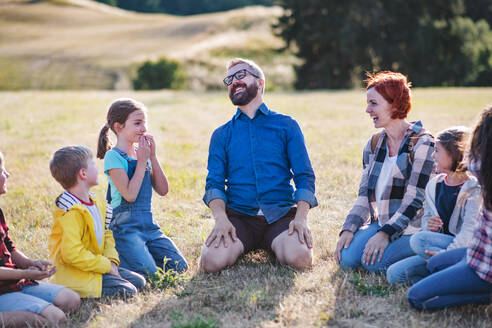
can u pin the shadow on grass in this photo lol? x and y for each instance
(365, 299)
(243, 295)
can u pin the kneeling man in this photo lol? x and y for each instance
(252, 159)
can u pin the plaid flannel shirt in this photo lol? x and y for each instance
(403, 197)
(6, 248)
(479, 254)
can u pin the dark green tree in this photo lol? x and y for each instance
(162, 74)
(431, 41)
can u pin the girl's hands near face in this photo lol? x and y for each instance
(151, 141)
(143, 151)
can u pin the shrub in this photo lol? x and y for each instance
(162, 74)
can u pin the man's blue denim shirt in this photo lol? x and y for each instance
(251, 163)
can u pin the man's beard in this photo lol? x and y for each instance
(244, 97)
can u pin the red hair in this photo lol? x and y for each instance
(395, 89)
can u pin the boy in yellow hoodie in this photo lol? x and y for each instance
(81, 245)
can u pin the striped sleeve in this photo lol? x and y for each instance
(412, 202)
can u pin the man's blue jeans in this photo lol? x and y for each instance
(414, 268)
(456, 284)
(395, 251)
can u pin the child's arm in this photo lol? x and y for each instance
(23, 262)
(109, 248)
(129, 188)
(17, 274)
(159, 179)
(470, 216)
(73, 252)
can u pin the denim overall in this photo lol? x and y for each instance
(140, 243)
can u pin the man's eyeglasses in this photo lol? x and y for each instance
(239, 75)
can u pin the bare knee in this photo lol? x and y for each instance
(67, 300)
(214, 260)
(21, 319)
(300, 258)
(54, 315)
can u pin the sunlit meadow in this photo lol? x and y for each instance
(257, 291)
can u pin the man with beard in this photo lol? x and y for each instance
(252, 159)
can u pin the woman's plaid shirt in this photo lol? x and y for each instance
(479, 254)
(403, 197)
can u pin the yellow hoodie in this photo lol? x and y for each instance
(74, 248)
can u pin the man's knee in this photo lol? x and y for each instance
(215, 259)
(67, 300)
(301, 257)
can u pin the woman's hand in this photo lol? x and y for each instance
(434, 223)
(344, 242)
(376, 245)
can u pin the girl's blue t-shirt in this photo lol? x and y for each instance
(113, 160)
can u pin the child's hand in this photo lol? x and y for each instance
(36, 274)
(41, 265)
(430, 253)
(143, 151)
(434, 223)
(114, 270)
(151, 141)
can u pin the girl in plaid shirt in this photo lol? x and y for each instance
(464, 276)
(23, 300)
(397, 167)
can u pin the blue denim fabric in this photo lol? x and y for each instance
(445, 259)
(140, 243)
(256, 160)
(33, 298)
(414, 268)
(455, 285)
(396, 251)
(129, 283)
(431, 241)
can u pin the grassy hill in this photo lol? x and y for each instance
(81, 44)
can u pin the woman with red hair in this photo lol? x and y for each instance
(397, 164)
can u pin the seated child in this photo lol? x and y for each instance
(81, 245)
(452, 202)
(132, 174)
(24, 301)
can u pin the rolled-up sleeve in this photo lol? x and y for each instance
(304, 177)
(217, 161)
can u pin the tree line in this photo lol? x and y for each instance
(435, 43)
(183, 7)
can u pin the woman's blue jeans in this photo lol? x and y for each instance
(395, 251)
(413, 268)
(456, 284)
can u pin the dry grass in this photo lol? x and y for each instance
(256, 292)
(80, 44)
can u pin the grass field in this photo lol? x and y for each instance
(257, 292)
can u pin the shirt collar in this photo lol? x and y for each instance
(262, 109)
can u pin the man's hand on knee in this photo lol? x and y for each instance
(222, 231)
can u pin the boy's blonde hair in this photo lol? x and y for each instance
(67, 162)
(252, 66)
